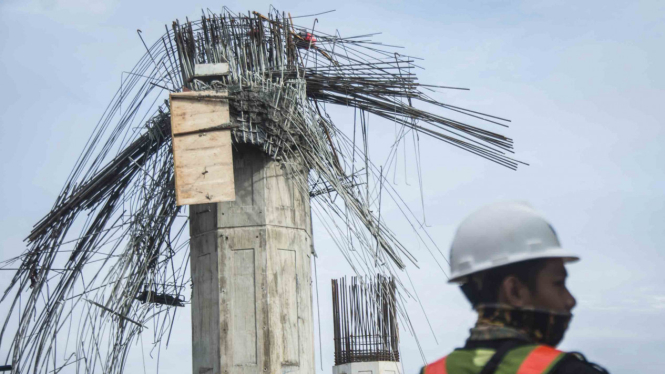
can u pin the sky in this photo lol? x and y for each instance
(582, 83)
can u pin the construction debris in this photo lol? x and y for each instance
(115, 230)
(160, 298)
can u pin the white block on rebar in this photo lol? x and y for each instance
(202, 147)
(211, 70)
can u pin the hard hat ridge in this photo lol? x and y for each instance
(500, 234)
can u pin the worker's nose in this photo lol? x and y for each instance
(570, 301)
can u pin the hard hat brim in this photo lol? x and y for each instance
(567, 256)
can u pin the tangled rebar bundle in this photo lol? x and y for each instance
(81, 300)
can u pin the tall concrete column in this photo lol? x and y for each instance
(251, 273)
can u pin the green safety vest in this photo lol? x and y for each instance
(527, 359)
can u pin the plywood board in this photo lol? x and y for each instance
(198, 110)
(202, 148)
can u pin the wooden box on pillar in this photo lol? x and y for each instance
(201, 134)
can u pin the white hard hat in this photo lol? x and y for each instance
(501, 234)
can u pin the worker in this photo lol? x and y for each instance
(510, 266)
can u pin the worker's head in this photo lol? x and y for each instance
(538, 283)
(507, 253)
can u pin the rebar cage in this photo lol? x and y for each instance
(365, 319)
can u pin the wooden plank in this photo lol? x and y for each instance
(203, 159)
(198, 110)
(203, 168)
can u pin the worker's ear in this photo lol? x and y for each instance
(515, 293)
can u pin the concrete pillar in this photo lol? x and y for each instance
(251, 273)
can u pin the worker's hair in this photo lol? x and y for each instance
(483, 287)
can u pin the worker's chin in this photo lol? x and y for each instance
(543, 326)
(549, 326)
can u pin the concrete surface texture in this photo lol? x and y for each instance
(250, 261)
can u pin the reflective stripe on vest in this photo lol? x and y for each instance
(436, 367)
(539, 360)
(530, 359)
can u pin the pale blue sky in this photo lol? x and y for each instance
(583, 83)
